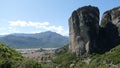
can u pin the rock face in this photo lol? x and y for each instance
(86, 36)
(112, 16)
(110, 30)
(83, 29)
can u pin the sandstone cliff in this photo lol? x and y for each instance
(86, 36)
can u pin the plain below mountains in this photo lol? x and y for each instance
(46, 39)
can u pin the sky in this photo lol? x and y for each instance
(35, 16)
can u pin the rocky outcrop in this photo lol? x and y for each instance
(86, 36)
(112, 16)
(110, 30)
(83, 29)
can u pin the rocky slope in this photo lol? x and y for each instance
(87, 36)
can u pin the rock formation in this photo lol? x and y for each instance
(112, 16)
(109, 30)
(86, 36)
(83, 29)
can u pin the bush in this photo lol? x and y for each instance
(64, 60)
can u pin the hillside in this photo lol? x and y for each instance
(109, 59)
(44, 39)
(9, 58)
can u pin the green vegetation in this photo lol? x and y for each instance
(29, 63)
(9, 58)
(62, 50)
(110, 59)
(48, 65)
(65, 60)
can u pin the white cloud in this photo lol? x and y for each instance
(18, 23)
(40, 26)
(27, 24)
(37, 24)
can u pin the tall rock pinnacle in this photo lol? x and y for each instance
(83, 30)
(86, 36)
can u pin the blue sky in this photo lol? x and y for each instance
(34, 16)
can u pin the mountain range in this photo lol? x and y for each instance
(46, 39)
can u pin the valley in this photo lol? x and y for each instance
(38, 54)
(59, 34)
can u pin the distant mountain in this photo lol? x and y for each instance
(44, 39)
(1, 35)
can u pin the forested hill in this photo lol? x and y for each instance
(44, 39)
